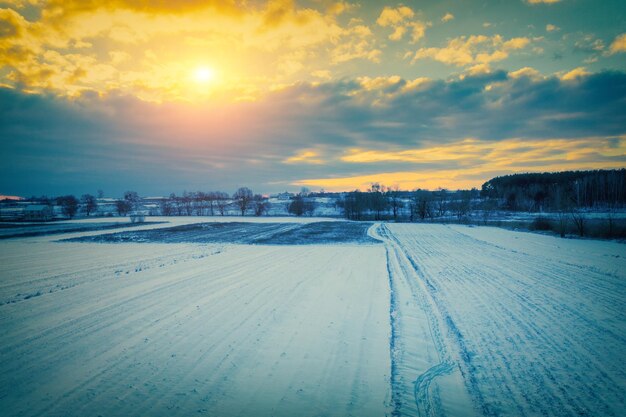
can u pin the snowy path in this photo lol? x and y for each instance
(165, 330)
(420, 354)
(534, 329)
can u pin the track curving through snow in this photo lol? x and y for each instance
(533, 332)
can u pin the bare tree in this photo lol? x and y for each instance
(221, 200)
(353, 204)
(423, 204)
(463, 205)
(561, 217)
(187, 202)
(301, 204)
(210, 199)
(260, 204)
(90, 204)
(579, 220)
(123, 207)
(441, 202)
(393, 195)
(69, 205)
(132, 198)
(377, 200)
(177, 204)
(489, 207)
(296, 205)
(166, 208)
(309, 206)
(243, 197)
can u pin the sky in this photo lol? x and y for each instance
(160, 97)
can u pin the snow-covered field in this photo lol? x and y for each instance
(521, 324)
(434, 320)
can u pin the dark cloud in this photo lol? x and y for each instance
(54, 146)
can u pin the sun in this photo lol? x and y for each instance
(204, 75)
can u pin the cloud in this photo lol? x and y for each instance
(516, 43)
(527, 72)
(472, 50)
(339, 132)
(357, 42)
(552, 28)
(390, 16)
(447, 17)
(341, 7)
(479, 69)
(400, 19)
(151, 49)
(20, 3)
(575, 74)
(305, 156)
(470, 162)
(618, 44)
(588, 43)
(12, 24)
(476, 152)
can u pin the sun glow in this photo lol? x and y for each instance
(204, 75)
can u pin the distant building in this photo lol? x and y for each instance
(38, 212)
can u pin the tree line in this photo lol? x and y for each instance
(567, 195)
(556, 191)
(380, 202)
(199, 203)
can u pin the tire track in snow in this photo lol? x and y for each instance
(423, 404)
(541, 337)
(422, 386)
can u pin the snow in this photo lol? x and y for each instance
(434, 320)
(531, 324)
(182, 329)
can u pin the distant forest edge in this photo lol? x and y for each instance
(555, 191)
(563, 202)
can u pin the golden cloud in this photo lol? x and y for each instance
(392, 16)
(619, 44)
(152, 49)
(477, 160)
(575, 74)
(528, 72)
(472, 50)
(447, 17)
(306, 156)
(12, 24)
(400, 20)
(494, 153)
